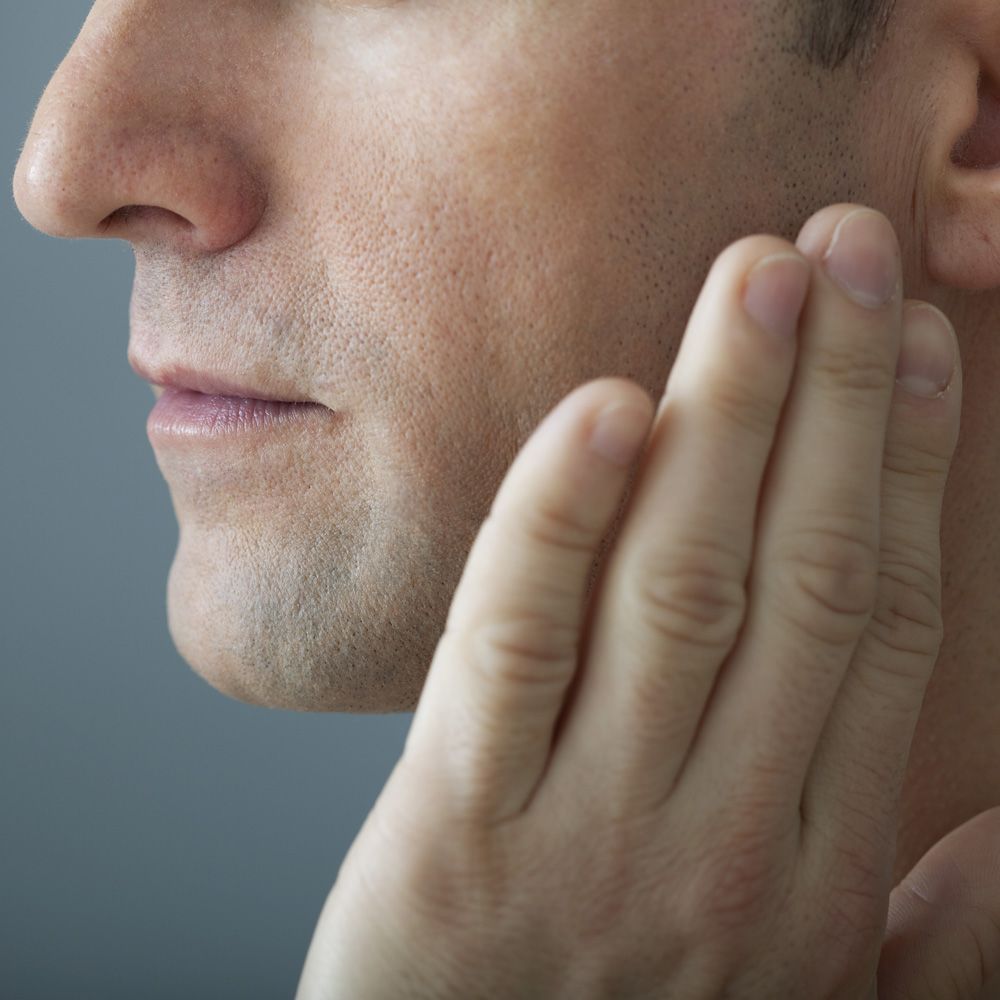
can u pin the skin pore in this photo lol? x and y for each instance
(439, 219)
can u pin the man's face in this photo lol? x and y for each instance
(436, 218)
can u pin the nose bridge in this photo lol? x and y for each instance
(141, 113)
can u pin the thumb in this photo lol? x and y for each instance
(942, 940)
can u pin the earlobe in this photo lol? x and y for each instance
(963, 208)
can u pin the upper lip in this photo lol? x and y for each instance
(176, 376)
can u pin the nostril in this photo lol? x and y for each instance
(132, 216)
(105, 224)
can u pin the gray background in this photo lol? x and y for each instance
(157, 840)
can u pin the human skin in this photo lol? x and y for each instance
(688, 787)
(438, 221)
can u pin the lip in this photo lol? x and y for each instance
(182, 414)
(197, 406)
(211, 384)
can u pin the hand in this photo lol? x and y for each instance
(686, 786)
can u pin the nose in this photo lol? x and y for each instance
(129, 140)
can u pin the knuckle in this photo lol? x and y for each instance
(549, 523)
(830, 583)
(695, 595)
(919, 468)
(857, 367)
(742, 406)
(908, 617)
(523, 651)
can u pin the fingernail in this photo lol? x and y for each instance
(776, 289)
(927, 360)
(862, 258)
(618, 432)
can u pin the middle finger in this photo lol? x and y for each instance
(815, 575)
(671, 602)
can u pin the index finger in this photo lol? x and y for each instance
(510, 649)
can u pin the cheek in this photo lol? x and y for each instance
(485, 196)
(499, 221)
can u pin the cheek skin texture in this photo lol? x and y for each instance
(468, 216)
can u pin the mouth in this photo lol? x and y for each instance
(195, 405)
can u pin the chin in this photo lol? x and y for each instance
(267, 638)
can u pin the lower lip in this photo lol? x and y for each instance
(186, 414)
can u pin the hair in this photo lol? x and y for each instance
(839, 29)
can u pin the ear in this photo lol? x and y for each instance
(963, 206)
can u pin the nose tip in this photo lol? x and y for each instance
(44, 190)
(95, 149)
(142, 185)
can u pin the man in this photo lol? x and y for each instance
(432, 222)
